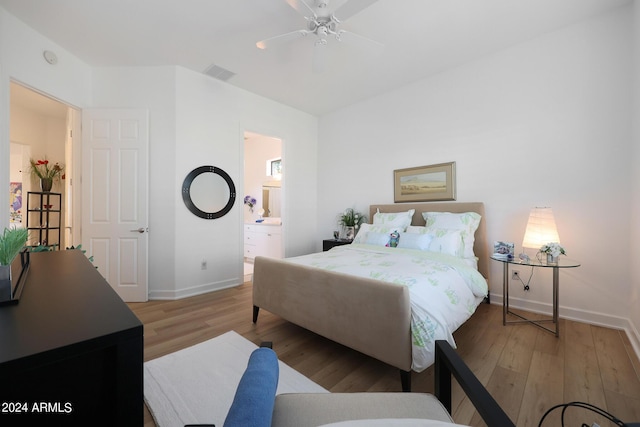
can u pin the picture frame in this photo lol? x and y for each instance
(503, 250)
(425, 183)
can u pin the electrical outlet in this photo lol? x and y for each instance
(203, 265)
(515, 275)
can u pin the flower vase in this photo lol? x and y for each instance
(350, 233)
(552, 260)
(46, 184)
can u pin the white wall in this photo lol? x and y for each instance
(545, 123)
(195, 121)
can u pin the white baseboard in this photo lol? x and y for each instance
(578, 315)
(195, 290)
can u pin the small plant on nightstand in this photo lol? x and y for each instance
(351, 220)
(553, 251)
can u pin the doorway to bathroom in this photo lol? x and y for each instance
(263, 199)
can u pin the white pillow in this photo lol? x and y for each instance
(447, 242)
(377, 239)
(467, 223)
(361, 237)
(415, 241)
(399, 219)
(458, 221)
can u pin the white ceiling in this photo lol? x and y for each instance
(421, 38)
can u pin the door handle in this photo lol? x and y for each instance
(139, 230)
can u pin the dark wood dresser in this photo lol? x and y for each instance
(71, 351)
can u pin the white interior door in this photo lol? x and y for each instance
(115, 197)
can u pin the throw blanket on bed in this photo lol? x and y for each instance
(444, 290)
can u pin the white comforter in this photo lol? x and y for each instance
(444, 290)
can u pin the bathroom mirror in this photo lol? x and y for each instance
(208, 192)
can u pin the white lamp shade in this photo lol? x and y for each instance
(541, 229)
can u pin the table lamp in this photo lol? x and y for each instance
(541, 229)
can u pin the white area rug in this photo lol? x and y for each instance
(196, 385)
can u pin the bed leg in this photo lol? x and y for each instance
(405, 380)
(256, 309)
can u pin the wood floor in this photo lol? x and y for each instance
(526, 369)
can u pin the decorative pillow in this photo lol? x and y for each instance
(377, 239)
(420, 242)
(398, 219)
(467, 223)
(361, 237)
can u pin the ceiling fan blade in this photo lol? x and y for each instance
(319, 56)
(350, 8)
(301, 7)
(359, 41)
(282, 38)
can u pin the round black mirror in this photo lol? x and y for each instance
(206, 194)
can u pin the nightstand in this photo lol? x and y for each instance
(562, 263)
(330, 243)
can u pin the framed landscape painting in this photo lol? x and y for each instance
(425, 183)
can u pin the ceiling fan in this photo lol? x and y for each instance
(324, 24)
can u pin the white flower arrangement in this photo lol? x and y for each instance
(554, 249)
(351, 218)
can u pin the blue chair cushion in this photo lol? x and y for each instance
(256, 393)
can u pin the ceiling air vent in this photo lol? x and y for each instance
(219, 73)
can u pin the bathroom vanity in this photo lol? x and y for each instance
(263, 239)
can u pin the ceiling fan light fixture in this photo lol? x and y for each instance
(322, 22)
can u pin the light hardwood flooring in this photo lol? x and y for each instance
(526, 369)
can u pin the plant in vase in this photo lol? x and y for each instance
(553, 251)
(46, 172)
(11, 242)
(250, 201)
(351, 220)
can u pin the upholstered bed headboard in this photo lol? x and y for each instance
(480, 247)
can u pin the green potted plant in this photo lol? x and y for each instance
(11, 242)
(46, 172)
(351, 220)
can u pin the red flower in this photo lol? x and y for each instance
(41, 169)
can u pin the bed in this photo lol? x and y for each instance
(321, 293)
